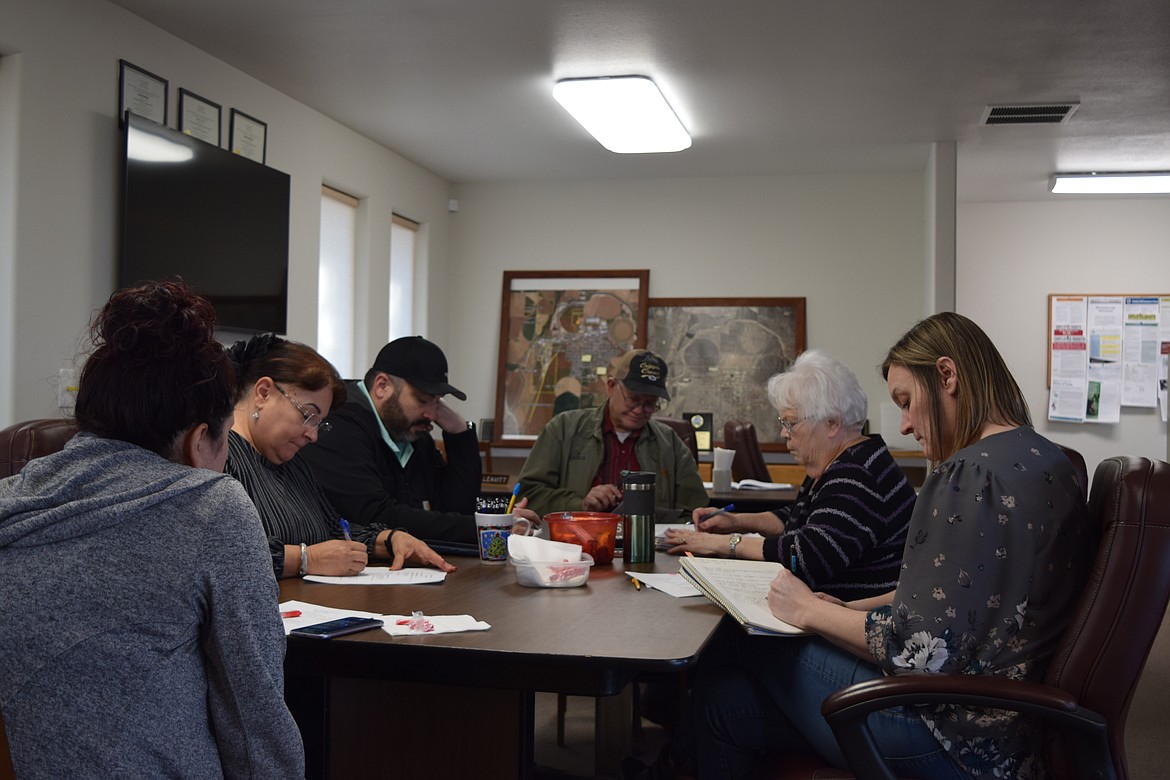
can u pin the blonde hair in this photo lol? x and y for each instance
(987, 391)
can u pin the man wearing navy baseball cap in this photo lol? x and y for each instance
(577, 461)
(379, 462)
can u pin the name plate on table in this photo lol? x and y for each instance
(494, 479)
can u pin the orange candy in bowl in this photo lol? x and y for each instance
(596, 532)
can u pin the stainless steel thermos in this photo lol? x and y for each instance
(637, 511)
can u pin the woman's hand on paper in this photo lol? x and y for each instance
(337, 558)
(410, 549)
(682, 541)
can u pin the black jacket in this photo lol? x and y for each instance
(364, 481)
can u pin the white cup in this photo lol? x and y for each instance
(721, 480)
(492, 530)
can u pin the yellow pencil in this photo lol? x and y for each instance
(512, 500)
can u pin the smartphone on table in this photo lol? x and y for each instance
(338, 627)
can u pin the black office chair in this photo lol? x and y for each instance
(740, 435)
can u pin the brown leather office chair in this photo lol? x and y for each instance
(1082, 471)
(685, 431)
(1085, 697)
(19, 444)
(24, 441)
(740, 435)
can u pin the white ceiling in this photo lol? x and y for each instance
(463, 87)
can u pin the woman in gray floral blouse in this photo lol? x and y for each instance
(999, 548)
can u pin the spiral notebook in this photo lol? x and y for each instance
(741, 589)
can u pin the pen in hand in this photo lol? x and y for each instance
(724, 511)
(345, 529)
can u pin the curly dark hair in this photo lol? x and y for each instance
(285, 362)
(156, 369)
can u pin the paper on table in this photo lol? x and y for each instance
(443, 624)
(755, 484)
(311, 614)
(671, 584)
(381, 575)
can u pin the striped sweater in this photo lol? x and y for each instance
(844, 534)
(291, 505)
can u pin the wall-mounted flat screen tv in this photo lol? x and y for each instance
(216, 219)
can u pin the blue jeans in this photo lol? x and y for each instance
(755, 694)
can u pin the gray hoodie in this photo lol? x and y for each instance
(139, 626)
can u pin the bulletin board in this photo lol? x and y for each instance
(1105, 353)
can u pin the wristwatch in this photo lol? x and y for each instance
(732, 543)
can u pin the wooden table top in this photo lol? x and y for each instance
(589, 640)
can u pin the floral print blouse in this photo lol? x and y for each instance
(999, 549)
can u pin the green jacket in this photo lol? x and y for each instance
(567, 456)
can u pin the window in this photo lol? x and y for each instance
(335, 286)
(403, 244)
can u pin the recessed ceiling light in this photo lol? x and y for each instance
(626, 114)
(1111, 183)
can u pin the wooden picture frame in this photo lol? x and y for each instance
(721, 353)
(560, 331)
(199, 117)
(249, 137)
(141, 92)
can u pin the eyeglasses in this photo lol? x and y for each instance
(788, 425)
(312, 419)
(649, 405)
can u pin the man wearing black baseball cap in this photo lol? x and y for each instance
(379, 462)
(577, 461)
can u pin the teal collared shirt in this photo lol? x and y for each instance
(401, 451)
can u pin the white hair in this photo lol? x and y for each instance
(820, 387)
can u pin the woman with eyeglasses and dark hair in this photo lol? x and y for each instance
(140, 635)
(289, 390)
(845, 532)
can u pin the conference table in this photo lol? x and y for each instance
(462, 704)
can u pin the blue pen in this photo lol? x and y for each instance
(794, 560)
(345, 529)
(512, 500)
(724, 511)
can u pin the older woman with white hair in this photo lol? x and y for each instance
(845, 532)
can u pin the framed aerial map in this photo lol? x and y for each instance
(721, 353)
(560, 331)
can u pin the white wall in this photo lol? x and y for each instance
(852, 245)
(61, 105)
(1012, 255)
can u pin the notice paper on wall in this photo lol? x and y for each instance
(1106, 352)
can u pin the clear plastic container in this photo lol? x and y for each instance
(553, 574)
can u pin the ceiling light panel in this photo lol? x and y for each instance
(626, 114)
(1111, 183)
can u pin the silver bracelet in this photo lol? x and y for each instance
(304, 559)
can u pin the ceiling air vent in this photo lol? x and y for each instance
(1043, 114)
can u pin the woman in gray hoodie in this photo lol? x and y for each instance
(139, 631)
